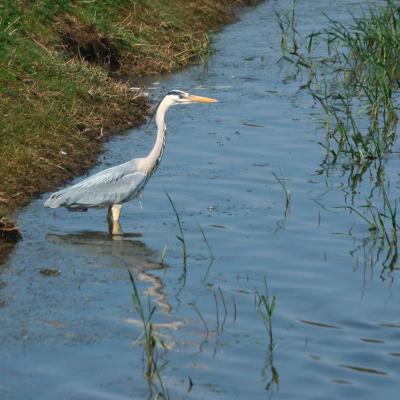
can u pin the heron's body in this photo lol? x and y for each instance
(114, 185)
(117, 185)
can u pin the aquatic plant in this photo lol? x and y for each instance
(282, 183)
(287, 25)
(383, 229)
(181, 236)
(265, 306)
(352, 71)
(210, 252)
(207, 331)
(150, 342)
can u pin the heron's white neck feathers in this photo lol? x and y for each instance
(165, 104)
(154, 157)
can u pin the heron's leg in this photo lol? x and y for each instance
(109, 214)
(114, 212)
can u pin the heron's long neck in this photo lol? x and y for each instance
(154, 157)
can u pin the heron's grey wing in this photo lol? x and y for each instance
(111, 186)
(106, 176)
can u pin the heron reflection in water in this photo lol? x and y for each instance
(117, 185)
(129, 251)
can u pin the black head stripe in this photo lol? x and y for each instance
(177, 93)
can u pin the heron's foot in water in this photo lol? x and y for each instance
(114, 228)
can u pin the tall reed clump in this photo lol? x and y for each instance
(354, 73)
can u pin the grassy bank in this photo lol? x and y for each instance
(60, 96)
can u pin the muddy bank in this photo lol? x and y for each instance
(9, 235)
(60, 68)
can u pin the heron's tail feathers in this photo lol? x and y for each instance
(57, 199)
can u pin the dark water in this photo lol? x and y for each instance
(336, 326)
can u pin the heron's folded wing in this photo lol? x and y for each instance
(109, 175)
(114, 185)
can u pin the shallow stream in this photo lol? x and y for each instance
(69, 332)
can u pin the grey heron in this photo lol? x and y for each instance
(116, 185)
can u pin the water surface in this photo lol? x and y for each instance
(336, 326)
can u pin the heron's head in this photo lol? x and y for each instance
(179, 97)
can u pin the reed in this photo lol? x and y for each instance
(353, 74)
(265, 306)
(181, 236)
(210, 252)
(150, 341)
(282, 183)
(383, 228)
(352, 71)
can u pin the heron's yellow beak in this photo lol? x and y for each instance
(199, 99)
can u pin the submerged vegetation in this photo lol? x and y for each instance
(150, 342)
(282, 183)
(354, 74)
(266, 308)
(66, 68)
(181, 236)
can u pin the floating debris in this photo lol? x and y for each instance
(50, 272)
